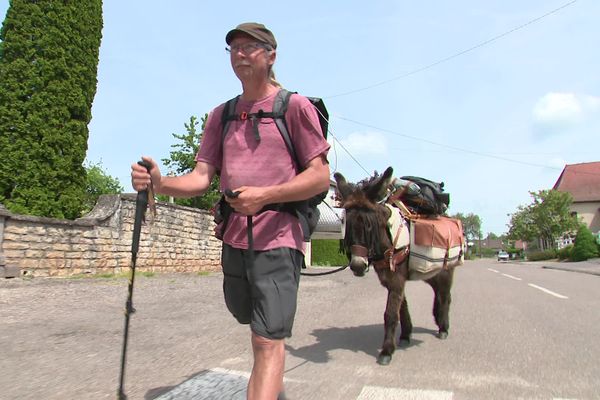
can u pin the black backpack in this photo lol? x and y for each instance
(430, 200)
(306, 210)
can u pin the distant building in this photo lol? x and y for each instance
(520, 245)
(582, 181)
(490, 243)
(330, 221)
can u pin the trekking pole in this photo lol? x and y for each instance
(141, 204)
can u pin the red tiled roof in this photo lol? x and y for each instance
(581, 180)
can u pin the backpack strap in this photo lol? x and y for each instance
(227, 116)
(280, 106)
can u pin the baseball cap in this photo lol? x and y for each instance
(254, 29)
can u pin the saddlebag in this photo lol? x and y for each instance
(436, 242)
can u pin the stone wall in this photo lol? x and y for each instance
(180, 239)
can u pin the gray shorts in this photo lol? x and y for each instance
(264, 294)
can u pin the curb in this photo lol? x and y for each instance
(583, 270)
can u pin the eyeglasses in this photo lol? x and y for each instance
(246, 48)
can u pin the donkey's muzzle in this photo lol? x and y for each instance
(359, 261)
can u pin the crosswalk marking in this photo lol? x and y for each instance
(380, 393)
(226, 384)
(217, 384)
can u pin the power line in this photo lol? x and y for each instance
(477, 46)
(335, 139)
(348, 152)
(459, 149)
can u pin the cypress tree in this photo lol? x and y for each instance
(48, 64)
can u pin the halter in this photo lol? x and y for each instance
(391, 257)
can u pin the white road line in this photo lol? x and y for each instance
(512, 277)
(550, 292)
(493, 270)
(382, 393)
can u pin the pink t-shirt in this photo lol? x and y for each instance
(248, 162)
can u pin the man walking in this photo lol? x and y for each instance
(260, 282)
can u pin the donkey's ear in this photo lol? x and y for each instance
(387, 175)
(377, 191)
(343, 187)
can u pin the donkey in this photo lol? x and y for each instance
(368, 241)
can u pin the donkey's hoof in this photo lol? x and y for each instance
(384, 359)
(442, 335)
(404, 341)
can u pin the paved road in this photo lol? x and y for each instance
(517, 331)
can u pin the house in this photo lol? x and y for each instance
(582, 181)
(330, 219)
(489, 243)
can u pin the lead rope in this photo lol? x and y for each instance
(249, 227)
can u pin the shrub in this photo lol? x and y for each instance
(485, 252)
(541, 255)
(565, 253)
(585, 245)
(98, 182)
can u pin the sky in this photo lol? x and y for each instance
(493, 98)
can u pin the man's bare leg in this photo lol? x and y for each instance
(266, 380)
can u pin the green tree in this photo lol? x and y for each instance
(183, 160)
(471, 225)
(472, 230)
(547, 218)
(48, 64)
(522, 225)
(98, 182)
(585, 245)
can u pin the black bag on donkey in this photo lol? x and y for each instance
(430, 200)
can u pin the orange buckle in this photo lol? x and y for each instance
(244, 116)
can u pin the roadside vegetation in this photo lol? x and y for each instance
(110, 275)
(327, 252)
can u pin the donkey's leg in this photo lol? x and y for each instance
(441, 284)
(405, 321)
(390, 317)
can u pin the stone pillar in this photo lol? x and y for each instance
(6, 271)
(308, 254)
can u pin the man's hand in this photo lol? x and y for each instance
(249, 199)
(141, 178)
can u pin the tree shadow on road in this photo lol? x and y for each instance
(366, 339)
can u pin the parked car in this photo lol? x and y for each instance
(503, 256)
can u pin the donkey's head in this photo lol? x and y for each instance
(367, 237)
